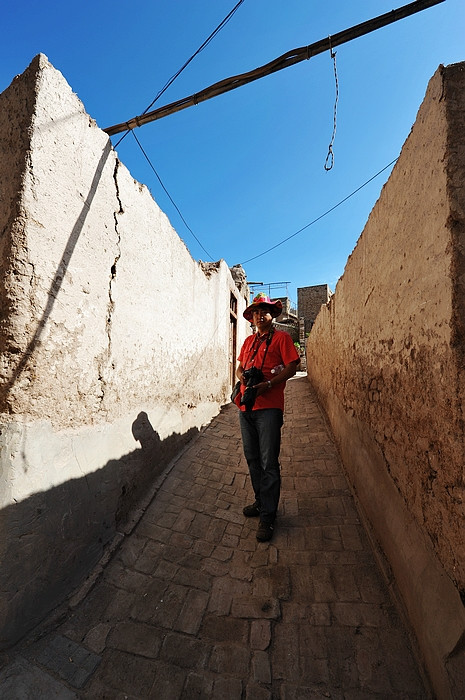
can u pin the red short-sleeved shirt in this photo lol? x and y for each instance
(281, 351)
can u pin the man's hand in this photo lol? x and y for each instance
(262, 388)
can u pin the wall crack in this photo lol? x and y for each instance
(112, 278)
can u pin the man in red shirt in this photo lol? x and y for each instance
(261, 401)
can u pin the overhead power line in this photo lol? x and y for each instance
(288, 59)
(213, 34)
(216, 31)
(170, 197)
(169, 82)
(328, 211)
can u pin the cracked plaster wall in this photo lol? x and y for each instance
(114, 343)
(387, 358)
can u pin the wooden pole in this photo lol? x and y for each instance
(288, 59)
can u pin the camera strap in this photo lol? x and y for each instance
(268, 342)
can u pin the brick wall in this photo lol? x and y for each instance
(387, 358)
(309, 302)
(292, 330)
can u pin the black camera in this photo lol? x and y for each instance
(252, 376)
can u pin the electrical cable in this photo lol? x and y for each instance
(329, 163)
(216, 31)
(169, 196)
(321, 216)
(201, 48)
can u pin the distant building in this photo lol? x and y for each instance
(309, 302)
(288, 313)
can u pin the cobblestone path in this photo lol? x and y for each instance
(192, 606)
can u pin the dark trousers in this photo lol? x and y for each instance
(261, 438)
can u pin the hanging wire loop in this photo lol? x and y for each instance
(329, 162)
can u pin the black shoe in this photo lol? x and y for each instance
(265, 532)
(252, 511)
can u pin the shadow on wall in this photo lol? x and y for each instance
(51, 540)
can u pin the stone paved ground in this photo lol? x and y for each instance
(192, 606)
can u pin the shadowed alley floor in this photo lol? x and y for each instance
(192, 606)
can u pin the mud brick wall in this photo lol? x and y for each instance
(387, 358)
(114, 344)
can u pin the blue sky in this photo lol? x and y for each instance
(246, 169)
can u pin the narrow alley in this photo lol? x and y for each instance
(192, 606)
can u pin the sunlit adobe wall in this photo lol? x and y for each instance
(387, 358)
(115, 344)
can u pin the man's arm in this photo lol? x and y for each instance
(288, 372)
(240, 373)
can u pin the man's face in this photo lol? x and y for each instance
(261, 317)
